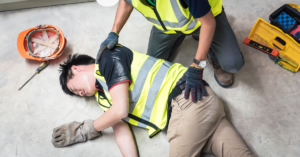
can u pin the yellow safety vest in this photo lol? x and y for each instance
(169, 16)
(152, 80)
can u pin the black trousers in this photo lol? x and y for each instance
(224, 48)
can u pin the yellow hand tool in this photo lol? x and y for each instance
(38, 70)
(278, 60)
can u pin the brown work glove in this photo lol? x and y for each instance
(74, 132)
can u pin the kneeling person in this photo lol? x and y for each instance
(141, 90)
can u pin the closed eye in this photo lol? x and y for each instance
(73, 91)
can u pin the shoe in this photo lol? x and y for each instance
(195, 36)
(223, 78)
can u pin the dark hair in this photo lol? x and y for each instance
(66, 72)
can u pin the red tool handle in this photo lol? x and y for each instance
(261, 47)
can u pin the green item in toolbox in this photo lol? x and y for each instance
(278, 60)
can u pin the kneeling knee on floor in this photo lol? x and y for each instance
(233, 65)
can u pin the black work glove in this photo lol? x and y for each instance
(110, 42)
(74, 132)
(193, 83)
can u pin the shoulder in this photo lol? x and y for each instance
(117, 53)
(198, 8)
(120, 56)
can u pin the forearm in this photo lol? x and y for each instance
(205, 38)
(123, 13)
(108, 119)
(117, 111)
(125, 139)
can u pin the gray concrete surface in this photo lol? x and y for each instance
(263, 103)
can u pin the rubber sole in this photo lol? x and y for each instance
(222, 85)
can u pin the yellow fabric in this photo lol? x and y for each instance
(138, 111)
(195, 66)
(102, 101)
(147, 11)
(160, 107)
(166, 5)
(167, 13)
(169, 82)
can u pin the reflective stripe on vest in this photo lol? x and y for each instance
(158, 79)
(184, 22)
(152, 80)
(134, 95)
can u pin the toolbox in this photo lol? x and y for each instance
(286, 17)
(275, 38)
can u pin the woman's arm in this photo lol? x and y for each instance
(125, 139)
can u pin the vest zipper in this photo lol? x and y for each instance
(159, 19)
(150, 5)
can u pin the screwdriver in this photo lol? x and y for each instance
(38, 70)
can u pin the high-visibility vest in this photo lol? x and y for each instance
(169, 16)
(152, 80)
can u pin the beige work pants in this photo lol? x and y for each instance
(202, 126)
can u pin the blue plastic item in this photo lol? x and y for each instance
(286, 21)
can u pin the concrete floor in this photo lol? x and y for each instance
(263, 103)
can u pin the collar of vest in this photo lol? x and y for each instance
(98, 86)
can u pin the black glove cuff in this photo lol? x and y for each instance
(113, 35)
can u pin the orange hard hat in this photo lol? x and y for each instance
(24, 42)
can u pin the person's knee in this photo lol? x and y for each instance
(233, 64)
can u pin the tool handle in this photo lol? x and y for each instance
(42, 67)
(277, 44)
(292, 64)
(285, 67)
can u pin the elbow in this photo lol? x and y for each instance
(211, 23)
(214, 23)
(121, 114)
